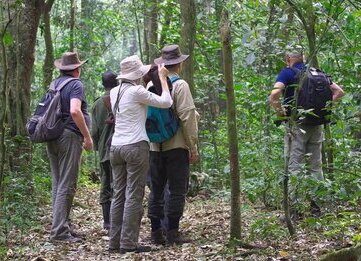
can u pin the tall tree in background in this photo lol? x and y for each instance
(49, 49)
(235, 232)
(72, 24)
(150, 30)
(188, 34)
(5, 16)
(17, 81)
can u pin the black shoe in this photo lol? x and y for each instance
(139, 249)
(66, 239)
(175, 237)
(157, 237)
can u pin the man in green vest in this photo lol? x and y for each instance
(102, 129)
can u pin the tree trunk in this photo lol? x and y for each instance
(188, 34)
(3, 90)
(153, 30)
(235, 231)
(49, 49)
(135, 34)
(311, 34)
(146, 32)
(21, 61)
(72, 25)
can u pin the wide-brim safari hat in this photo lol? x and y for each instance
(132, 68)
(171, 55)
(69, 61)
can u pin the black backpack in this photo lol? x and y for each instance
(46, 123)
(314, 96)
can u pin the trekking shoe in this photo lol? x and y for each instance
(139, 249)
(175, 237)
(66, 239)
(157, 237)
(315, 209)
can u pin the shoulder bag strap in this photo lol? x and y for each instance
(119, 96)
(65, 82)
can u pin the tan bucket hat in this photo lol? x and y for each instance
(69, 61)
(132, 68)
(171, 55)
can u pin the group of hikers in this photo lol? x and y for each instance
(129, 161)
(127, 157)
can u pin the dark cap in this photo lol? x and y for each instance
(109, 80)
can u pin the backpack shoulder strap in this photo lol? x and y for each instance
(65, 82)
(119, 96)
(174, 78)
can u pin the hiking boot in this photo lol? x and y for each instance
(139, 249)
(66, 239)
(315, 209)
(157, 237)
(175, 237)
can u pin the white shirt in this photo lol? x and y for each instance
(132, 112)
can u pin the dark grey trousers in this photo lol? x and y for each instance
(64, 155)
(130, 164)
(305, 140)
(105, 182)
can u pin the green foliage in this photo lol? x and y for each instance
(267, 227)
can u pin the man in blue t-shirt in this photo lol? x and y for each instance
(65, 152)
(301, 139)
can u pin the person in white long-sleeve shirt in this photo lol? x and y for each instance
(129, 151)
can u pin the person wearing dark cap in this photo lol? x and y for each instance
(169, 162)
(65, 152)
(102, 129)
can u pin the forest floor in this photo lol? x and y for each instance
(206, 222)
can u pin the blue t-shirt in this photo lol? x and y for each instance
(287, 77)
(73, 89)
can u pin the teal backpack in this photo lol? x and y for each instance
(161, 124)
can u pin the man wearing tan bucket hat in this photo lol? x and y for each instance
(65, 152)
(129, 151)
(169, 162)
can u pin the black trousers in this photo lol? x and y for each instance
(170, 167)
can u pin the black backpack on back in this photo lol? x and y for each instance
(46, 124)
(314, 96)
